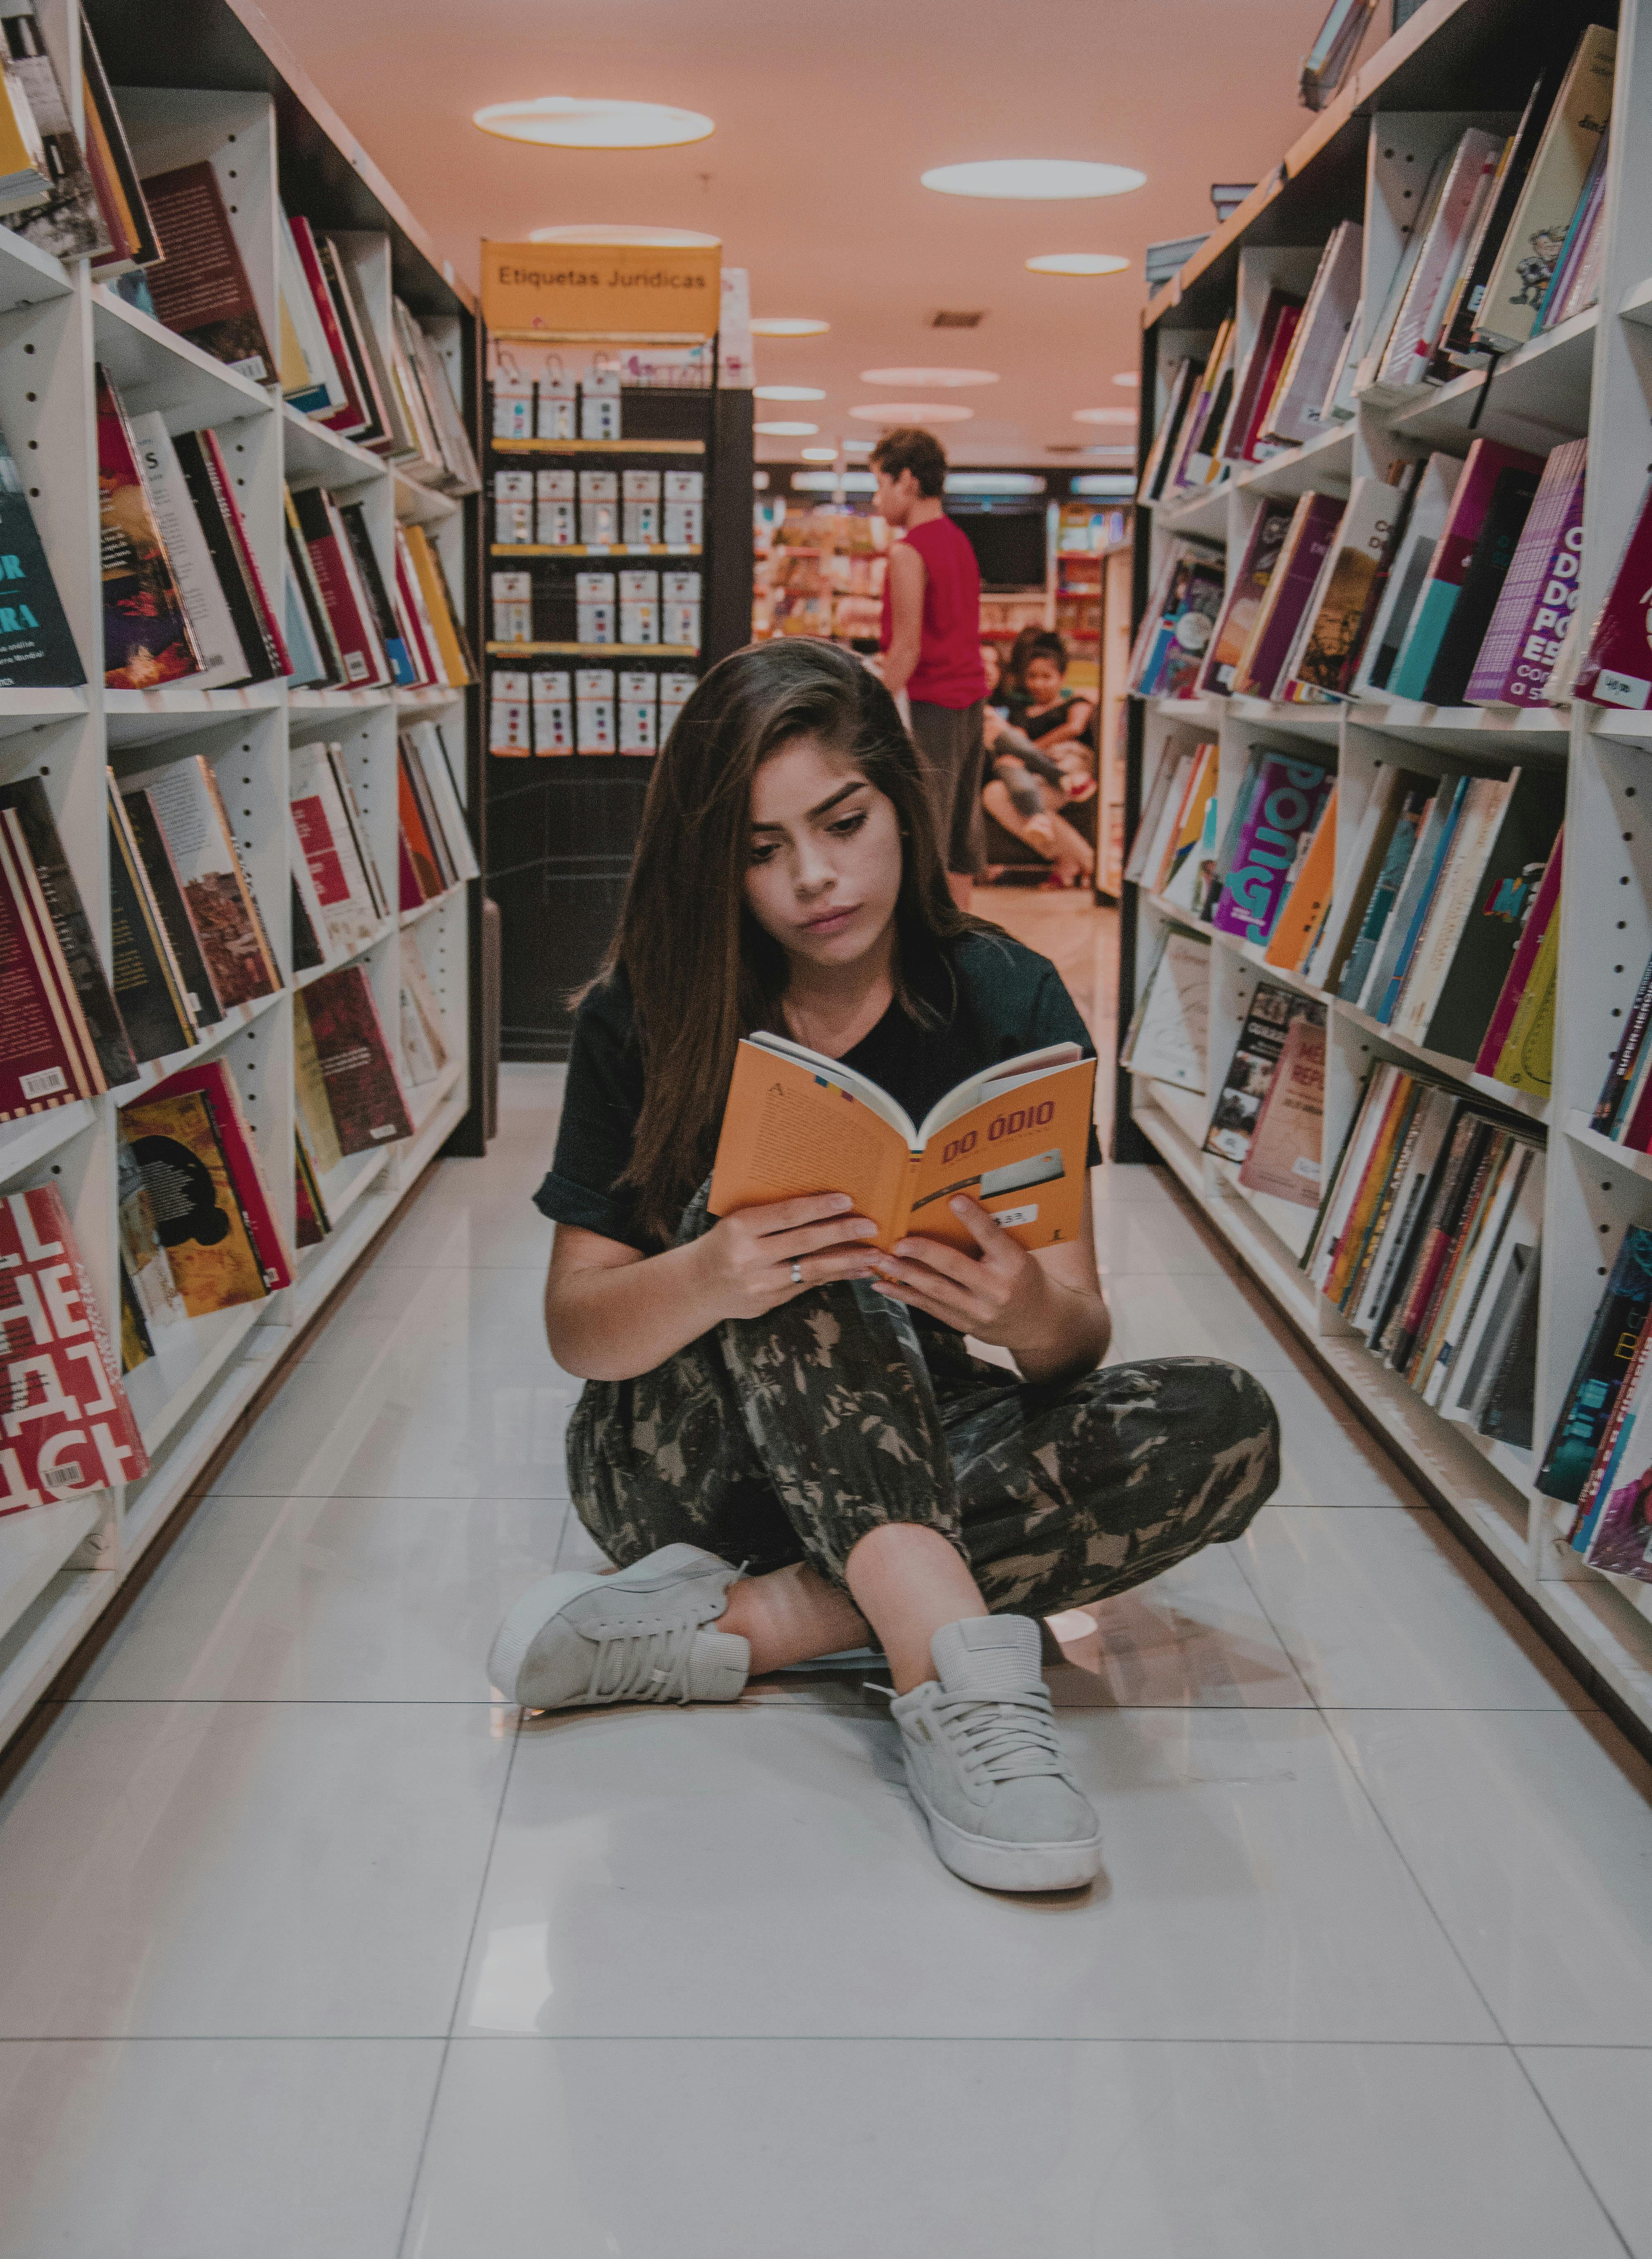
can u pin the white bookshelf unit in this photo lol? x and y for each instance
(218, 86)
(1455, 63)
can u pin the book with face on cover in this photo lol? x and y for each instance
(212, 1080)
(65, 1425)
(198, 1218)
(1015, 1137)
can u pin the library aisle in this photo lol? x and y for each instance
(313, 1948)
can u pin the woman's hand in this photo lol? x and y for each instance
(996, 1295)
(747, 1258)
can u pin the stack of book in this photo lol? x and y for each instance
(199, 1231)
(352, 627)
(389, 391)
(1177, 624)
(1428, 1242)
(1175, 841)
(1600, 1457)
(435, 850)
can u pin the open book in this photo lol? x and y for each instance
(1015, 1136)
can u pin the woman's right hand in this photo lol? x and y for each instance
(748, 1256)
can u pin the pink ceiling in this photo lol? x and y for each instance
(826, 115)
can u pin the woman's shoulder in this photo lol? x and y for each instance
(605, 1015)
(1014, 992)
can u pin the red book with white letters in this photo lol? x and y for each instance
(65, 1425)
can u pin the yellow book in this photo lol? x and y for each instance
(1528, 1058)
(295, 372)
(433, 585)
(1309, 898)
(1015, 1137)
(1201, 784)
(198, 1218)
(309, 1092)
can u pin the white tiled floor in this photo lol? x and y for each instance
(309, 1950)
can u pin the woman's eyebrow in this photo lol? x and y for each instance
(825, 807)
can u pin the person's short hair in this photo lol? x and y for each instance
(1045, 645)
(907, 448)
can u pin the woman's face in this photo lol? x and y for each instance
(993, 665)
(825, 858)
(1043, 678)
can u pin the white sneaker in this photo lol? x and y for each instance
(984, 1766)
(576, 1639)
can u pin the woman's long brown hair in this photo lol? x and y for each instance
(702, 972)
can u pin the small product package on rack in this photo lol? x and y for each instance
(513, 506)
(554, 419)
(639, 494)
(593, 709)
(553, 713)
(639, 711)
(554, 497)
(593, 606)
(508, 724)
(513, 607)
(513, 402)
(680, 610)
(639, 608)
(675, 691)
(599, 509)
(684, 524)
(600, 405)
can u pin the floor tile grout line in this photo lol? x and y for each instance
(1582, 2171)
(799, 2039)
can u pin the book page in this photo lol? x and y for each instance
(1023, 1153)
(787, 1132)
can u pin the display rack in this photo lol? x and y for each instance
(203, 80)
(565, 828)
(1455, 62)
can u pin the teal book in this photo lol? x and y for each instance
(1383, 895)
(1415, 911)
(1454, 553)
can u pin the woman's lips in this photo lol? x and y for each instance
(830, 920)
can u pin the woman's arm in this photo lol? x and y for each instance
(907, 578)
(1073, 723)
(1047, 1309)
(611, 1312)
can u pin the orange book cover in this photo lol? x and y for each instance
(1201, 783)
(1309, 898)
(1284, 1157)
(1015, 1136)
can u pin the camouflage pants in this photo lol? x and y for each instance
(787, 1437)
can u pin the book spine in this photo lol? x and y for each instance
(1540, 593)
(1520, 971)
(1621, 1074)
(1617, 668)
(246, 555)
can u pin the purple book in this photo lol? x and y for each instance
(1540, 592)
(1299, 564)
(1285, 801)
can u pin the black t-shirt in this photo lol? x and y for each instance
(996, 999)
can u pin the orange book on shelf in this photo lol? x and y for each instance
(1309, 898)
(1201, 783)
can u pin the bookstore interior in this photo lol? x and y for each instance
(355, 568)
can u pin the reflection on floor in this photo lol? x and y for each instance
(309, 1950)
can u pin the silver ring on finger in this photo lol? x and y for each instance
(797, 1274)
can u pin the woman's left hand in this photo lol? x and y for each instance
(994, 1294)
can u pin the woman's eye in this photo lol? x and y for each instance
(850, 824)
(763, 854)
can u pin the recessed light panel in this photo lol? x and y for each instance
(912, 411)
(1130, 378)
(1104, 416)
(651, 239)
(818, 454)
(1034, 179)
(924, 379)
(787, 431)
(787, 326)
(787, 392)
(1076, 262)
(567, 121)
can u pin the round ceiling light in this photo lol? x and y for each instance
(1104, 414)
(912, 411)
(567, 121)
(1130, 378)
(787, 326)
(1042, 179)
(787, 392)
(1076, 262)
(650, 239)
(785, 431)
(921, 380)
(818, 454)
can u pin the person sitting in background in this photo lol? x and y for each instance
(1054, 718)
(1028, 786)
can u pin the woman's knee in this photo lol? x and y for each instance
(1241, 1428)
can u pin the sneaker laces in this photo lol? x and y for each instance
(1003, 1736)
(642, 1666)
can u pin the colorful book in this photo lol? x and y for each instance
(78, 965)
(1308, 901)
(1540, 593)
(1250, 1070)
(1268, 532)
(36, 650)
(147, 638)
(1607, 1355)
(199, 285)
(1481, 950)
(1295, 412)
(184, 800)
(357, 1067)
(211, 1080)
(147, 984)
(1313, 530)
(1539, 914)
(199, 1219)
(1283, 1159)
(1454, 553)
(1332, 632)
(1617, 666)
(1494, 549)
(1288, 798)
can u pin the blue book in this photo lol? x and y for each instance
(308, 665)
(1608, 1354)
(1390, 879)
(1417, 909)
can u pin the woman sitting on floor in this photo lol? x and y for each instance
(784, 1441)
(1027, 786)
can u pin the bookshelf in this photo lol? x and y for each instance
(1454, 63)
(207, 80)
(564, 827)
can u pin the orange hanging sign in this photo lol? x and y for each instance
(601, 290)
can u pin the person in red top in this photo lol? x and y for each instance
(931, 640)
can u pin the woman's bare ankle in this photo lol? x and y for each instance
(791, 1615)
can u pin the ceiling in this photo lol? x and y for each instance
(826, 116)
